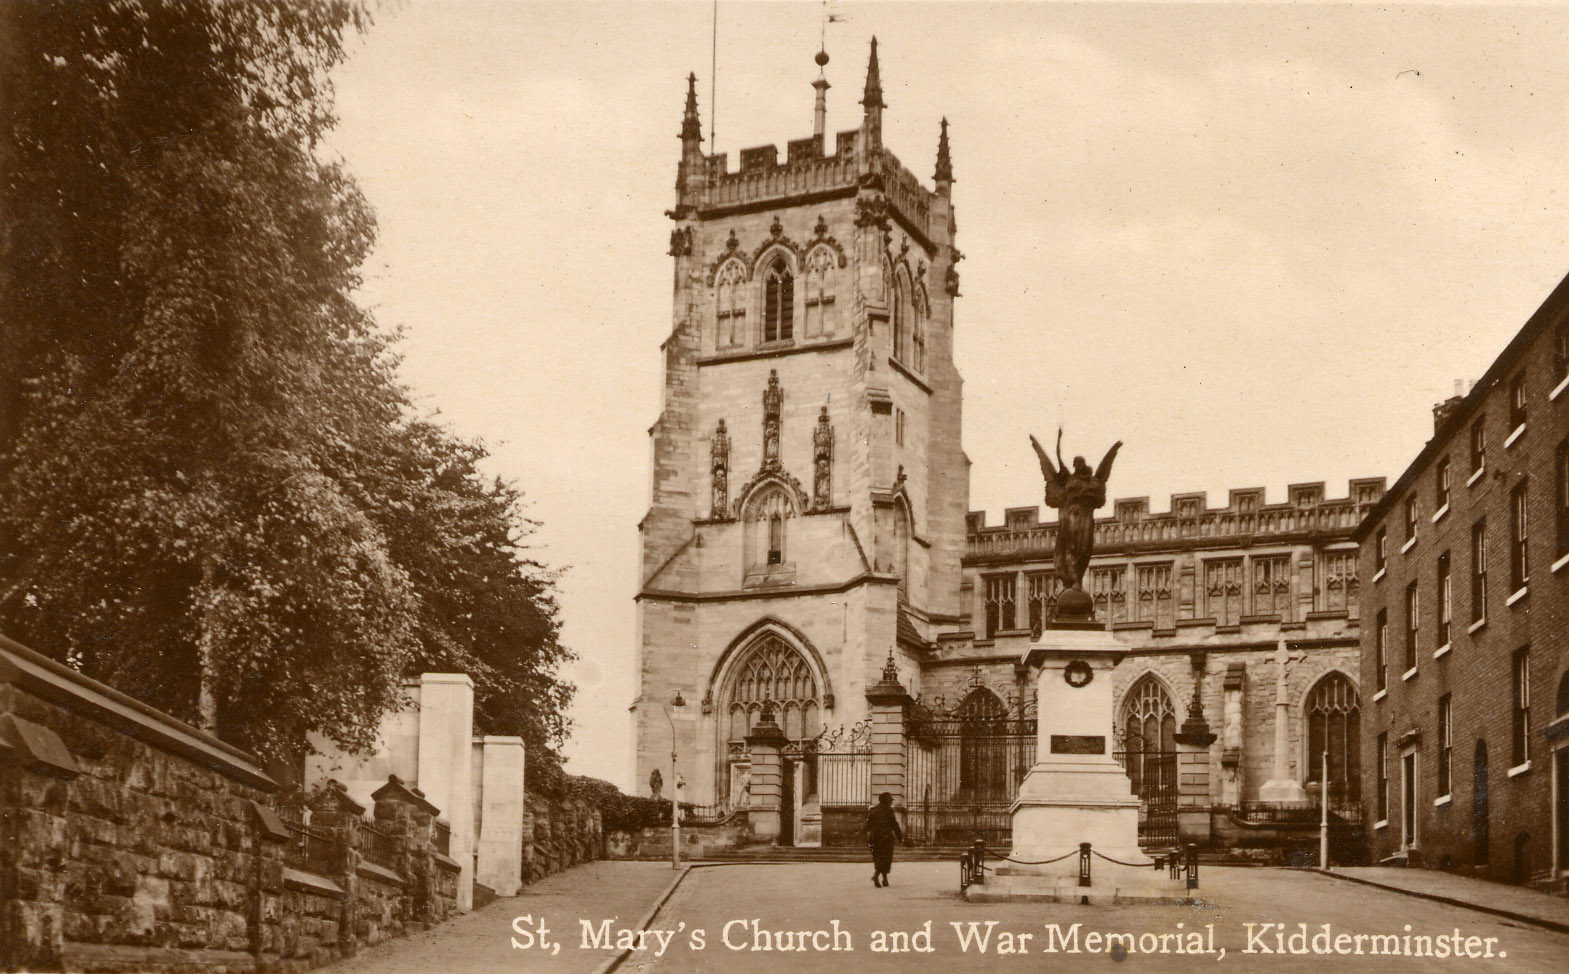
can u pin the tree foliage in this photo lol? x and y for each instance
(214, 493)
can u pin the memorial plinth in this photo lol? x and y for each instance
(1076, 791)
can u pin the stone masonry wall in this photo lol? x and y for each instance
(131, 841)
(559, 833)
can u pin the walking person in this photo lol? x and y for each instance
(882, 832)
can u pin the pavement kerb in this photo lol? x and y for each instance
(620, 956)
(1545, 924)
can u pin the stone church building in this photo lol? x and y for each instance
(821, 618)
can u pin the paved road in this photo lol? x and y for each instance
(811, 896)
(481, 941)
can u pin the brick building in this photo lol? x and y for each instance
(834, 619)
(1465, 642)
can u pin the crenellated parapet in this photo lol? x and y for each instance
(1188, 522)
(764, 179)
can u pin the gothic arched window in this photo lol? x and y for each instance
(729, 299)
(1334, 722)
(778, 301)
(903, 315)
(1149, 722)
(767, 525)
(771, 670)
(819, 293)
(1149, 742)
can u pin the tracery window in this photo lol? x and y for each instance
(819, 293)
(1041, 591)
(1334, 715)
(1109, 589)
(773, 670)
(730, 300)
(1149, 735)
(1223, 590)
(1152, 583)
(999, 604)
(1337, 585)
(1149, 721)
(778, 302)
(1272, 586)
(767, 520)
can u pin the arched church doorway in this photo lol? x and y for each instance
(1148, 752)
(769, 670)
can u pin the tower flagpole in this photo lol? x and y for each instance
(713, 81)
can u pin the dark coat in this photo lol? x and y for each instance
(882, 826)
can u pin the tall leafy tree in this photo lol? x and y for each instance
(211, 492)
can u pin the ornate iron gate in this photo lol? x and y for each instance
(964, 766)
(1154, 778)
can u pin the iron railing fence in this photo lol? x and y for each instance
(1153, 775)
(379, 847)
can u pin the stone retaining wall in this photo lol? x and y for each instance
(559, 833)
(132, 841)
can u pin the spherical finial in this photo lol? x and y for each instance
(821, 58)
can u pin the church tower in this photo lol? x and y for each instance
(807, 516)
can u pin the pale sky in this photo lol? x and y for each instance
(1256, 242)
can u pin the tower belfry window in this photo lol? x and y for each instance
(778, 302)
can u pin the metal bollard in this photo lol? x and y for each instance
(964, 871)
(978, 862)
(1193, 866)
(1084, 863)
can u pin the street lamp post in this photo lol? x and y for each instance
(675, 786)
(1323, 813)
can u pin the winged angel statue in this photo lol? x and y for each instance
(1075, 494)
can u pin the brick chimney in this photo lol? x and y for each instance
(1443, 410)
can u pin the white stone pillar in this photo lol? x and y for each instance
(446, 732)
(500, 860)
(1076, 792)
(1281, 787)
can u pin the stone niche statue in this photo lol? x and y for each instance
(1076, 494)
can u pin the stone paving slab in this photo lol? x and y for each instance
(481, 941)
(1511, 901)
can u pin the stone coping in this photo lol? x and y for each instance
(447, 862)
(371, 870)
(130, 957)
(59, 684)
(311, 883)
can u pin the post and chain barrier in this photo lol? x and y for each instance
(1179, 863)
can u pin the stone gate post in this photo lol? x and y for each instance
(1193, 742)
(765, 790)
(887, 699)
